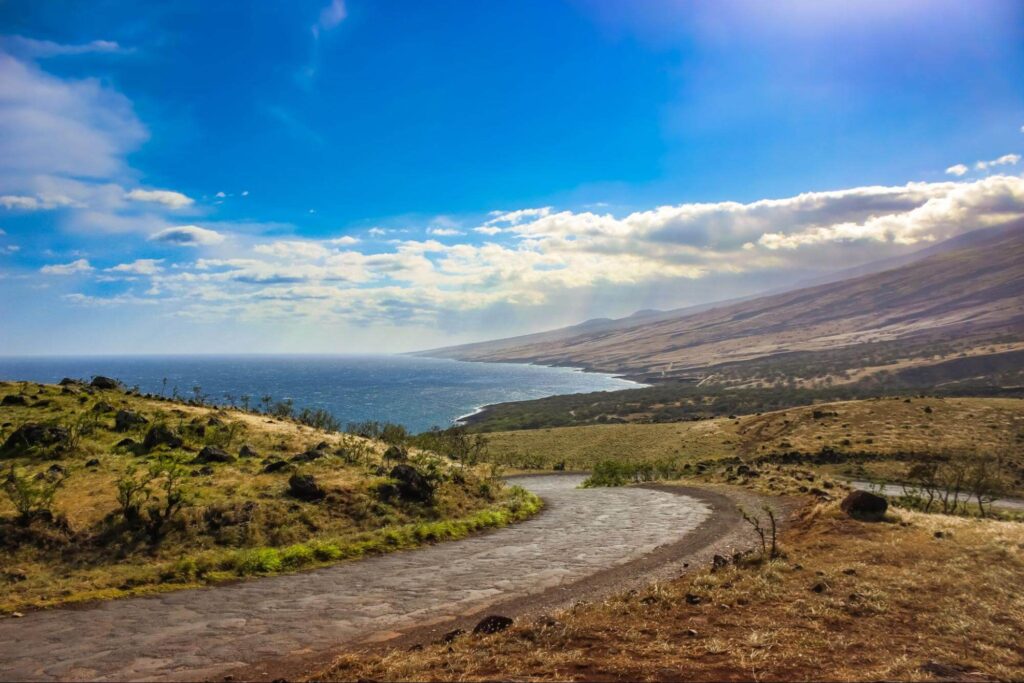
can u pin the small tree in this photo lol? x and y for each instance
(33, 496)
(763, 533)
(133, 490)
(171, 478)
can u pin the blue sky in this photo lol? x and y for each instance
(352, 176)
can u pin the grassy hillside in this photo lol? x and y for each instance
(90, 508)
(870, 438)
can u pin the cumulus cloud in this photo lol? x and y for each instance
(142, 266)
(73, 268)
(188, 236)
(444, 232)
(35, 203)
(488, 230)
(957, 170)
(344, 241)
(1005, 160)
(169, 198)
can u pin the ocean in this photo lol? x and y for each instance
(418, 393)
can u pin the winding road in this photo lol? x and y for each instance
(204, 633)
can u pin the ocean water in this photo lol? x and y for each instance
(416, 392)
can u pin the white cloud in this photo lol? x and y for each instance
(32, 48)
(142, 266)
(488, 230)
(169, 198)
(515, 217)
(10, 249)
(444, 232)
(376, 232)
(36, 203)
(188, 236)
(957, 170)
(245, 193)
(1005, 160)
(75, 128)
(220, 195)
(73, 268)
(344, 241)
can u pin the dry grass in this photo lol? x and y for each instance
(878, 426)
(897, 602)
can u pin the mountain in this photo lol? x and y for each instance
(960, 298)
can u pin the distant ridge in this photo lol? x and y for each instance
(967, 289)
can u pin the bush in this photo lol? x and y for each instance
(297, 556)
(258, 561)
(31, 496)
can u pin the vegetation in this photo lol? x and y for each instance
(675, 401)
(109, 493)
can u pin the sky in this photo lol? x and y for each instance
(342, 176)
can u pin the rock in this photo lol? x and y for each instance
(67, 381)
(126, 442)
(126, 420)
(309, 456)
(411, 484)
(55, 470)
(304, 487)
(93, 462)
(692, 599)
(271, 466)
(452, 635)
(719, 562)
(322, 446)
(820, 587)
(492, 624)
(32, 435)
(247, 451)
(14, 400)
(215, 421)
(690, 633)
(102, 407)
(161, 435)
(864, 505)
(213, 454)
(396, 453)
(101, 382)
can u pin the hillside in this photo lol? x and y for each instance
(106, 493)
(961, 299)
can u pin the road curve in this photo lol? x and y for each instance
(187, 635)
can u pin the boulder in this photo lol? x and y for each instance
(309, 456)
(215, 421)
(126, 442)
(92, 462)
(396, 453)
(213, 454)
(864, 505)
(161, 435)
(247, 451)
(411, 484)
(271, 466)
(492, 624)
(304, 487)
(101, 382)
(67, 381)
(126, 420)
(452, 635)
(102, 407)
(32, 435)
(14, 400)
(322, 446)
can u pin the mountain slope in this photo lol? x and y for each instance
(961, 295)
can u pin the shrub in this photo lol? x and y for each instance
(32, 497)
(297, 556)
(325, 552)
(258, 561)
